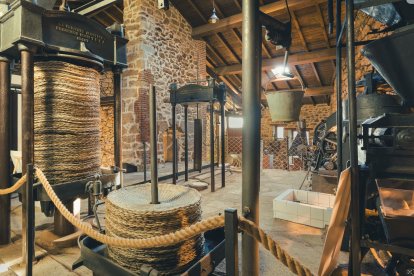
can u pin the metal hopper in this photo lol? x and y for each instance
(393, 57)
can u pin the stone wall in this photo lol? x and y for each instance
(312, 114)
(364, 24)
(160, 51)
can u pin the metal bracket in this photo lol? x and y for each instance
(278, 33)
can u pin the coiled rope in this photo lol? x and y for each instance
(247, 226)
(160, 241)
(66, 120)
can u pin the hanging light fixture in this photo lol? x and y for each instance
(213, 18)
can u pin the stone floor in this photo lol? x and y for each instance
(302, 242)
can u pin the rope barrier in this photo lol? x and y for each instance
(247, 226)
(161, 241)
(15, 187)
(271, 245)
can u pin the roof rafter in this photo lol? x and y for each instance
(294, 59)
(236, 20)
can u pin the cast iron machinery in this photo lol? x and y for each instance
(194, 94)
(32, 31)
(380, 135)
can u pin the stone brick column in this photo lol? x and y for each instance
(160, 51)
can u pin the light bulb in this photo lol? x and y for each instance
(213, 18)
(280, 70)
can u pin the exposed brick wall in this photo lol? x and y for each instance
(107, 121)
(160, 51)
(107, 136)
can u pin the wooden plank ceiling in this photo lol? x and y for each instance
(105, 12)
(312, 53)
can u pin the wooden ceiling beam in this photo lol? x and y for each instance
(305, 45)
(111, 16)
(266, 81)
(265, 50)
(234, 92)
(324, 32)
(322, 23)
(98, 6)
(294, 59)
(237, 3)
(299, 30)
(288, 84)
(227, 45)
(216, 53)
(238, 35)
(235, 21)
(319, 91)
(315, 71)
(296, 72)
(197, 10)
(119, 9)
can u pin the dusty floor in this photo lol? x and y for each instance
(302, 242)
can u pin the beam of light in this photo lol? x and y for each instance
(280, 70)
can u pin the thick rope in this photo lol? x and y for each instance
(258, 234)
(15, 187)
(161, 241)
(66, 120)
(173, 238)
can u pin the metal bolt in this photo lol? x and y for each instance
(246, 211)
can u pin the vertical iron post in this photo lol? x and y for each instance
(154, 147)
(27, 73)
(339, 120)
(223, 145)
(177, 158)
(62, 227)
(5, 118)
(174, 148)
(198, 144)
(216, 141)
(355, 254)
(144, 159)
(186, 141)
(30, 219)
(118, 122)
(213, 181)
(231, 241)
(251, 130)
